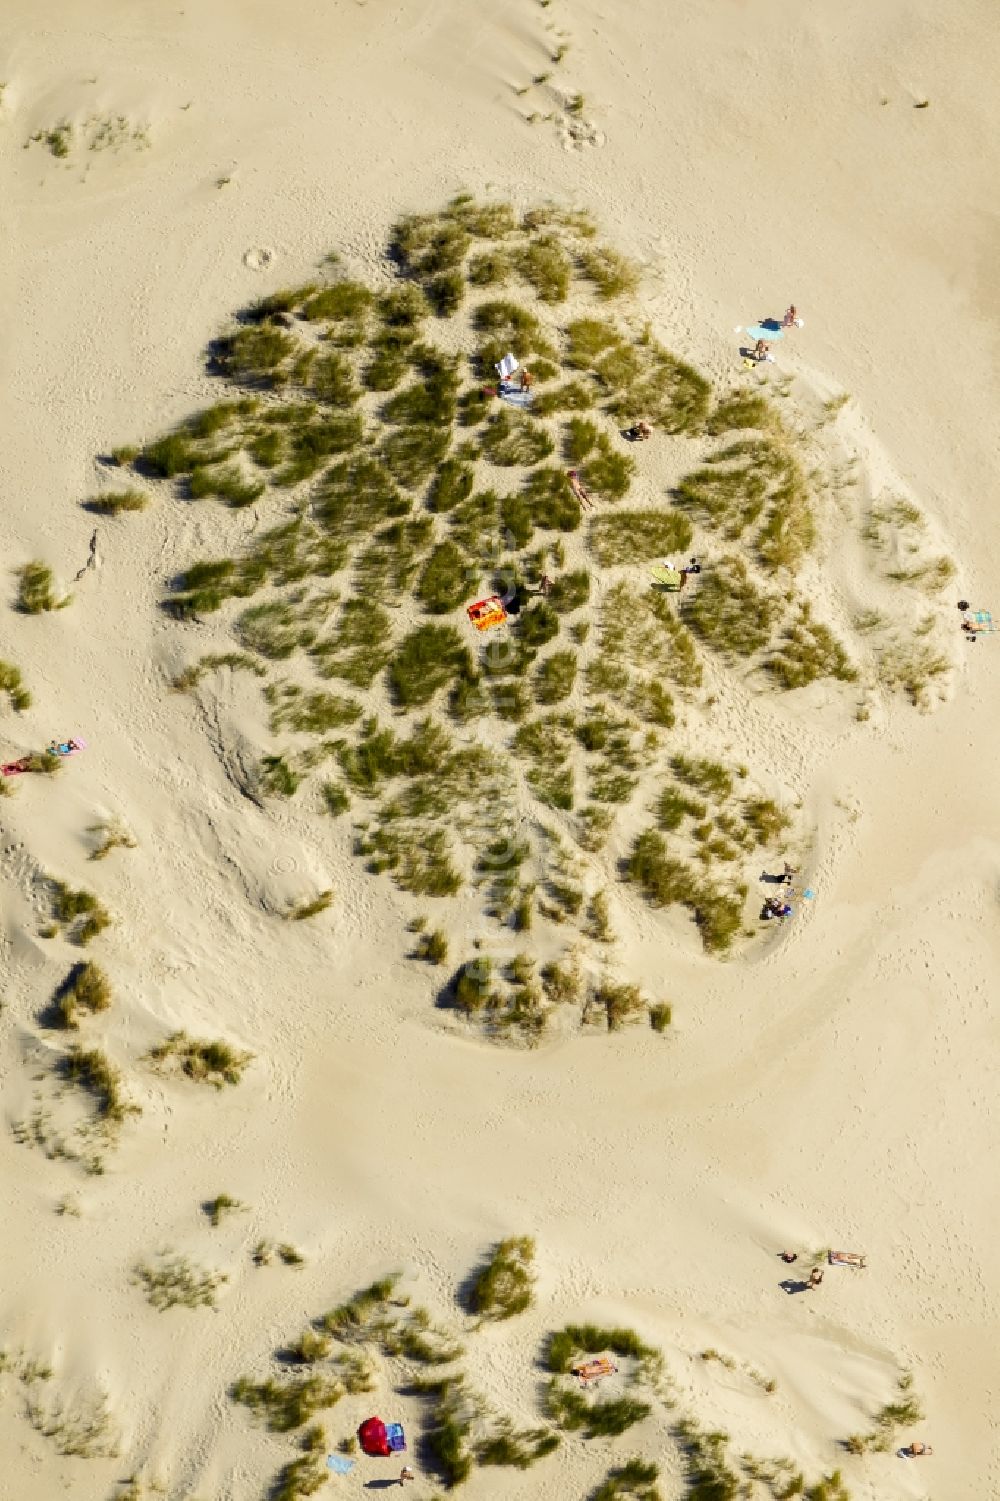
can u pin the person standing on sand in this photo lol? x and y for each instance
(406, 1474)
(815, 1276)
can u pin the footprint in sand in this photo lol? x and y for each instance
(259, 258)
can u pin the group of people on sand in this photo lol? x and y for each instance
(762, 349)
(916, 1448)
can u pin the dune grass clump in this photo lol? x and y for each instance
(545, 265)
(284, 1405)
(620, 1003)
(111, 834)
(12, 683)
(256, 355)
(635, 1479)
(633, 536)
(444, 579)
(728, 612)
(36, 591)
(85, 990)
(203, 1061)
(503, 1286)
(312, 908)
(432, 946)
(172, 1281)
(427, 659)
(278, 778)
(223, 1204)
(514, 1448)
(511, 438)
(555, 677)
(807, 650)
(608, 1418)
(94, 1072)
(707, 1472)
(448, 1428)
(309, 713)
(79, 913)
(740, 410)
(612, 274)
(115, 502)
(305, 1475)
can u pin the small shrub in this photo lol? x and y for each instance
(491, 268)
(706, 776)
(335, 798)
(113, 503)
(173, 1281)
(503, 1287)
(808, 650)
(305, 1475)
(36, 590)
(608, 473)
(210, 1062)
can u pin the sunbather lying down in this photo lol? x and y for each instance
(593, 1370)
(574, 483)
(638, 432)
(847, 1258)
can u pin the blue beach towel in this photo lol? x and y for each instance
(394, 1433)
(768, 328)
(339, 1465)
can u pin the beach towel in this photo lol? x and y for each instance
(670, 578)
(515, 398)
(847, 1258)
(339, 1465)
(767, 328)
(397, 1439)
(14, 768)
(66, 747)
(505, 369)
(487, 612)
(594, 1370)
(982, 620)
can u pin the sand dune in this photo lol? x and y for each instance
(829, 1086)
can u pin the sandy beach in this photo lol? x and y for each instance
(823, 1084)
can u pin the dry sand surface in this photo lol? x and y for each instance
(834, 1085)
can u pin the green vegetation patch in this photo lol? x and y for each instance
(503, 1286)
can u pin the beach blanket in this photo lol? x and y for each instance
(517, 398)
(847, 1258)
(339, 1465)
(14, 768)
(982, 620)
(487, 612)
(670, 578)
(397, 1439)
